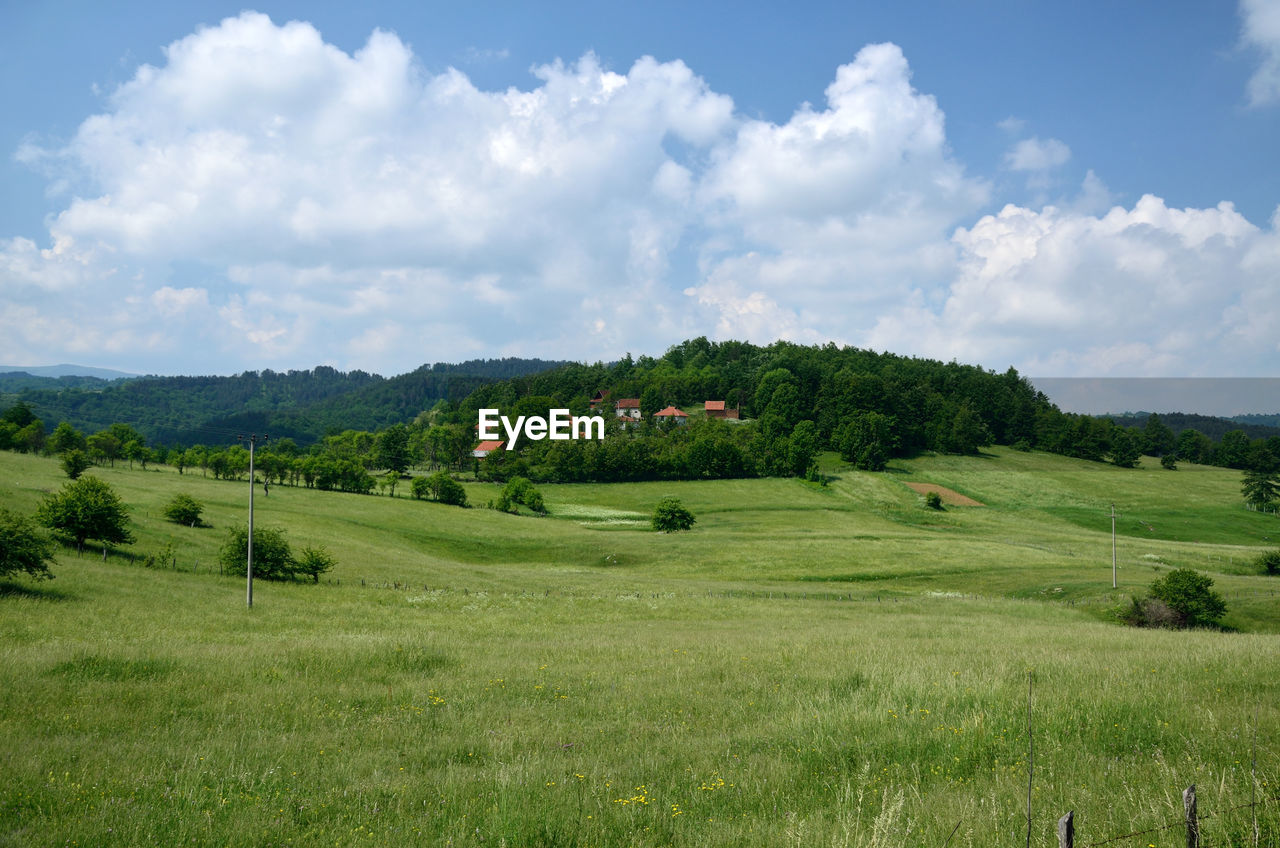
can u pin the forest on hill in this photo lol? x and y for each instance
(788, 402)
(1253, 426)
(302, 405)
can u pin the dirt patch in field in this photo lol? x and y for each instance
(949, 496)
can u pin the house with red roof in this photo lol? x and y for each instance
(627, 408)
(715, 409)
(671, 414)
(485, 448)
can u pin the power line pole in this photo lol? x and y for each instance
(1112, 542)
(253, 438)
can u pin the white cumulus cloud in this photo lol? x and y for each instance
(1261, 32)
(262, 198)
(1146, 291)
(1035, 154)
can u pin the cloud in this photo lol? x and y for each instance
(1034, 154)
(838, 211)
(1147, 291)
(1260, 31)
(1012, 125)
(265, 199)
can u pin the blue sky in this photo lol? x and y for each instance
(1072, 189)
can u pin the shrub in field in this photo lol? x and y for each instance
(520, 491)
(440, 487)
(86, 508)
(272, 557)
(184, 509)
(23, 548)
(1269, 562)
(933, 500)
(1189, 595)
(75, 462)
(670, 515)
(314, 562)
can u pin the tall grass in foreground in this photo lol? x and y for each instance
(151, 707)
(579, 681)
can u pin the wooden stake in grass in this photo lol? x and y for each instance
(1067, 830)
(1031, 757)
(1193, 824)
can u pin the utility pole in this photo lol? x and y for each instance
(1112, 539)
(253, 438)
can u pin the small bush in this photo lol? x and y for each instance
(447, 490)
(314, 562)
(520, 491)
(1269, 562)
(75, 462)
(1189, 596)
(1169, 462)
(184, 509)
(1152, 612)
(272, 557)
(933, 500)
(23, 548)
(670, 516)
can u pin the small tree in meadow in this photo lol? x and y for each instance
(75, 462)
(520, 491)
(314, 562)
(23, 548)
(1269, 562)
(440, 487)
(184, 509)
(670, 515)
(1189, 595)
(86, 508)
(933, 500)
(272, 557)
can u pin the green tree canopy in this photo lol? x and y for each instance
(670, 515)
(23, 548)
(184, 509)
(75, 462)
(1260, 489)
(87, 508)
(1124, 448)
(1190, 594)
(272, 556)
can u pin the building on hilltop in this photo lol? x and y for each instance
(715, 409)
(485, 448)
(627, 408)
(671, 414)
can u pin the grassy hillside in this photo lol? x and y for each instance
(808, 666)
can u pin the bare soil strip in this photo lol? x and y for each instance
(949, 497)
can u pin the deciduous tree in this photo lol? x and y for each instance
(87, 508)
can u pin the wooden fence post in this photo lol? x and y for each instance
(1067, 830)
(1193, 826)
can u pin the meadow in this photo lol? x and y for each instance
(809, 665)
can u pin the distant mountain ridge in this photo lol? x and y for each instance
(1254, 426)
(302, 405)
(66, 370)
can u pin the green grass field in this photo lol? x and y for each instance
(809, 666)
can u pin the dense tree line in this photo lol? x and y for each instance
(303, 405)
(794, 400)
